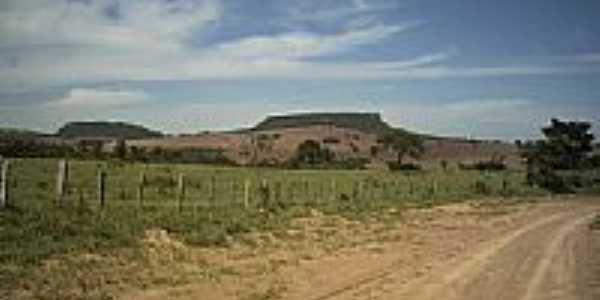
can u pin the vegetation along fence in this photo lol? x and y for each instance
(194, 188)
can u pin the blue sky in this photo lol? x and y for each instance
(490, 69)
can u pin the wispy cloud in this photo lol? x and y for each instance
(66, 42)
(334, 11)
(96, 98)
(134, 24)
(587, 58)
(303, 44)
(499, 117)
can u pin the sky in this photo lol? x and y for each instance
(468, 68)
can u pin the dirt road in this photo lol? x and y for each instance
(540, 261)
(523, 252)
(552, 257)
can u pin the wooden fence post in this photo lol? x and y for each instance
(62, 178)
(305, 189)
(333, 190)
(140, 191)
(81, 199)
(180, 191)
(212, 190)
(4, 186)
(265, 194)
(277, 194)
(246, 193)
(356, 192)
(101, 188)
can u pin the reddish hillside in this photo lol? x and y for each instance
(279, 145)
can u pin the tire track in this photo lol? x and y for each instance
(457, 269)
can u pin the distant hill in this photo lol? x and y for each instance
(18, 134)
(106, 130)
(366, 122)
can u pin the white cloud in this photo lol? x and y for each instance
(304, 44)
(73, 42)
(96, 98)
(324, 11)
(140, 24)
(587, 58)
(501, 117)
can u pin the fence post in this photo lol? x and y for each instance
(333, 190)
(212, 190)
(61, 181)
(504, 186)
(277, 194)
(4, 186)
(356, 191)
(140, 192)
(81, 199)
(101, 187)
(305, 189)
(265, 194)
(246, 193)
(180, 191)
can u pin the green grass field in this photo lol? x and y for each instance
(210, 188)
(213, 209)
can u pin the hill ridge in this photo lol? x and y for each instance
(368, 121)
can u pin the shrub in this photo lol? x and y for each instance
(396, 166)
(488, 165)
(311, 153)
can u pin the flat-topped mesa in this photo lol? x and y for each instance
(106, 130)
(367, 122)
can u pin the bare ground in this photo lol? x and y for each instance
(463, 251)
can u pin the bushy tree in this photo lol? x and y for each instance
(565, 147)
(567, 143)
(311, 153)
(403, 143)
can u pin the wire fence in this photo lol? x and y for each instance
(97, 185)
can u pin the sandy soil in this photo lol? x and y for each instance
(466, 251)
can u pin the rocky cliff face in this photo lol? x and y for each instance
(367, 122)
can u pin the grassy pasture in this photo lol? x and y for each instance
(211, 188)
(212, 212)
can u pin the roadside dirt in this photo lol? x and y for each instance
(466, 251)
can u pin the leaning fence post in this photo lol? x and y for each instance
(4, 186)
(180, 191)
(101, 187)
(61, 181)
(246, 194)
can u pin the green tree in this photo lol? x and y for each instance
(403, 143)
(565, 146)
(310, 152)
(568, 143)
